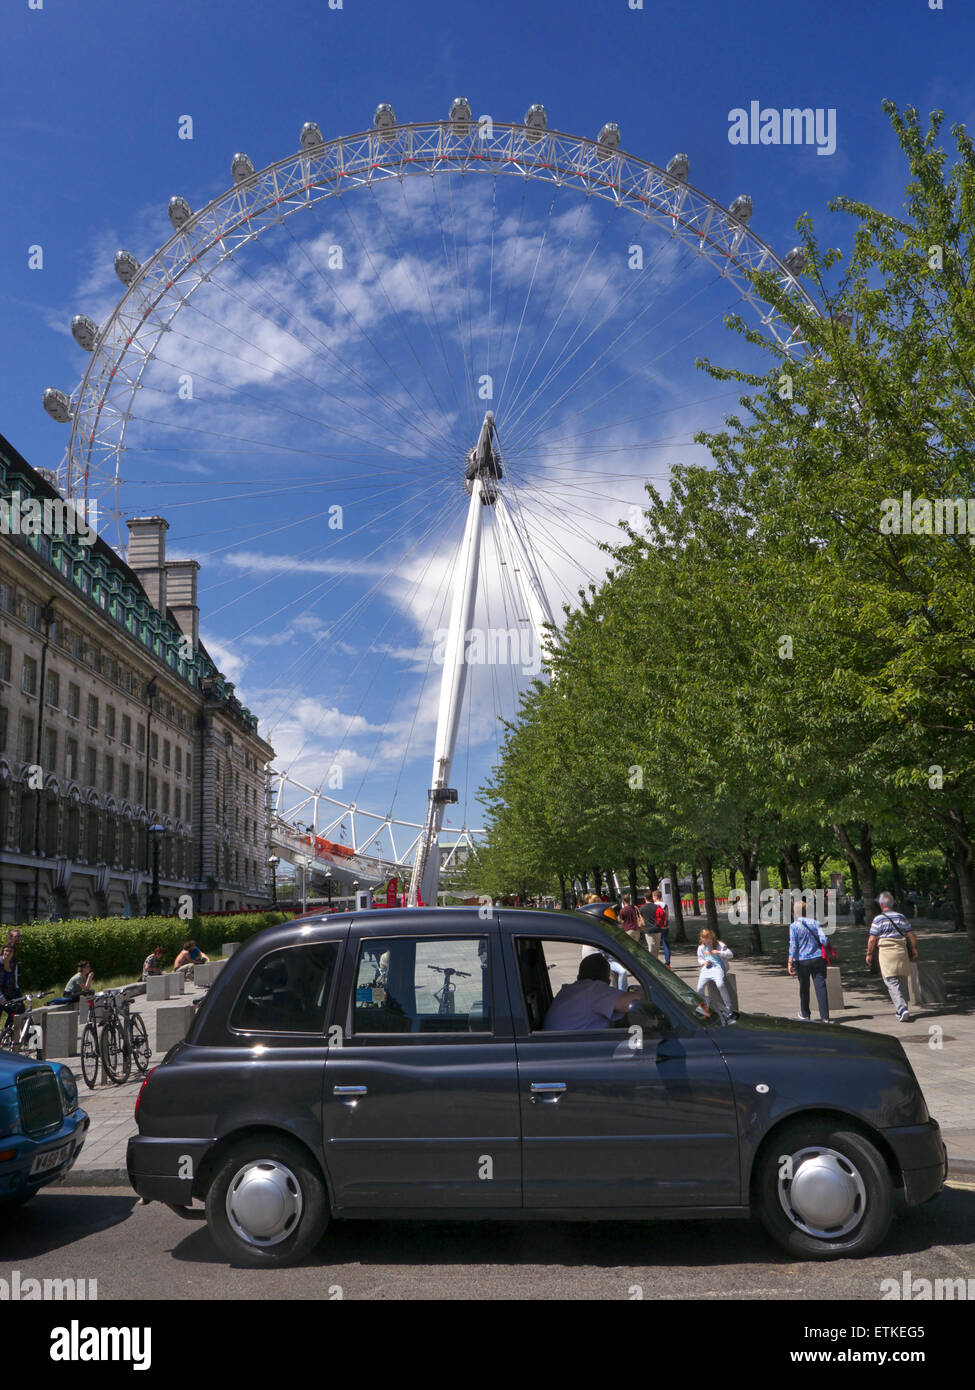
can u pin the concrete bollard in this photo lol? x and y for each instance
(216, 966)
(175, 983)
(172, 1024)
(228, 948)
(157, 987)
(60, 1030)
(203, 975)
(834, 988)
(926, 983)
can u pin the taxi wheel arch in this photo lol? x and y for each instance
(852, 1149)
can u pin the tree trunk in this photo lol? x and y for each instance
(732, 876)
(711, 907)
(793, 864)
(563, 894)
(856, 890)
(748, 859)
(597, 880)
(631, 866)
(694, 900)
(783, 876)
(954, 891)
(817, 861)
(860, 854)
(680, 934)
(897, 877)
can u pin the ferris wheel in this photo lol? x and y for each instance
(418, 407)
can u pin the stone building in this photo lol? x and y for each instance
(115, 719)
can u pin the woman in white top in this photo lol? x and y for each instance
(711, 957)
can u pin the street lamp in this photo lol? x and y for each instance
(355, 892)
(155, 902)
(328, 887)
(273, 862)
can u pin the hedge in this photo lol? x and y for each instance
(50, 951)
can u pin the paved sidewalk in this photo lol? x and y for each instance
(944, 1061)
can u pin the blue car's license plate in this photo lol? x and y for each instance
(51, 1158)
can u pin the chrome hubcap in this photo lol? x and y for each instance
(264, 1202)
(825, 1195)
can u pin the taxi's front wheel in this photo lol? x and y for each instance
(267, 1205)
(823, 1192)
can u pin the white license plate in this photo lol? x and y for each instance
(53, 1158)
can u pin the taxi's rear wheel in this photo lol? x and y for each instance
(823, 1192)
(267, 1205)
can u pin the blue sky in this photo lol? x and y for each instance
(329, 633)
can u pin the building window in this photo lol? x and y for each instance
(179, 759)
(53, 689)
(140, 786)
(3, 728)
(189, 765)
(124, 780)
(109, 774)
(140, 738)
(189, 807)
(126, 731)
(167, 752)
(110, 721)
(178, 807)
(91, 766)
(74, 701)
(153, 793)
(51, 750)
(93, 711)
(26, 739)
(165, 798)
(28, 680)
(154, 747)
(71, 759)
(4, 661)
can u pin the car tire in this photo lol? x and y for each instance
(824, 1192)
(267, 1206)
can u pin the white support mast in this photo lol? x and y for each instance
(483, 473)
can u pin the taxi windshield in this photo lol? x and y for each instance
(688, 998)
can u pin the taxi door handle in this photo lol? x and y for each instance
(349, 1095)
(548, 1092)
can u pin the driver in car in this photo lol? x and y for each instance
(589, 1002)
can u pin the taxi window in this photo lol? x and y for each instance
(288, 991)
(417, 985)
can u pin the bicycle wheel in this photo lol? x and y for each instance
(89, 1055)
(139, 1043)
(116, 1058)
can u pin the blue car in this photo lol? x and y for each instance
(42, 1130)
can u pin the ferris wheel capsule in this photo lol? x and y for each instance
(180, 212)
(536, 121)
(57, 405)
(85, 332)
(241, 168)
(795, 261)
(384, 121)
(609, 140)
(126, 266)
(311, 136)
(460, 114)
(741, 209)
(679, 167)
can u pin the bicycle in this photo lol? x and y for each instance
(136, 1037)
(18, 1028)
(90, 1042)
(445, 996)
(121, 1040)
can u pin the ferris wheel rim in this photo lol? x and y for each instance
(150, 315)
(106, 358)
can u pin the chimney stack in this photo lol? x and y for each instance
(147, 556)
(181, 590)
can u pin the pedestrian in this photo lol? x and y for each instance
(806, 961)
(10, 1000)
(712, 957)
(13, 941)
(661, 914)
(630, 919)
(893, 940)
(153, 963)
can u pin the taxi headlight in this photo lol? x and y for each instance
(69, 1090)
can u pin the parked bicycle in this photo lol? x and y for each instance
(445, 996)
(18, 1028)
(118, 1040)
